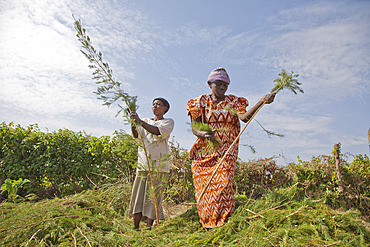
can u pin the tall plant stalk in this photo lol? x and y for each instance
(287, 81)
(109, 90)
(336, 153)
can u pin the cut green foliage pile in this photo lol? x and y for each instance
(99, 213)
(282, 217)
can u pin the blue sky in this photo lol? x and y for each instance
(167, 48)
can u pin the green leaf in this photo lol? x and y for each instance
(287, 81)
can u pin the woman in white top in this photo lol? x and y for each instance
(155, 133)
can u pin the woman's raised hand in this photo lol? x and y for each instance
(268, 98)
(134, 116)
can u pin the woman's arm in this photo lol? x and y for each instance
(134, 130)
(150, 128)
(267, 99)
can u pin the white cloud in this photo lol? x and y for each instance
(329, 51)
(194, 34)
(46, 79)
(327, 45)
(187, 86)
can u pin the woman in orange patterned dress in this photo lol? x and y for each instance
(222, 112)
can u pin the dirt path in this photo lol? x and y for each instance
(173, 210)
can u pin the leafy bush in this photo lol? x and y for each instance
(317, 175)
(255, 177)
(358, 175)
(62, 162)
(317, 178)
(180, 186)
(11, 188)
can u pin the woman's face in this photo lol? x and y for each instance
(219, 88)
(158, 107)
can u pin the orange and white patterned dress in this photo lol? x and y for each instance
(218, 202)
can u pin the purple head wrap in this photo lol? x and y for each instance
(219, 74)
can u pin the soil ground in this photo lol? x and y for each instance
(173, 210)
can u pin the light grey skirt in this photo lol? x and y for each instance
(142, 197)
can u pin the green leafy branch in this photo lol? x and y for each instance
(109, 89)
(287, 81)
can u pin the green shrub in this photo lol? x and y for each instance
(11, 188)
(62, 162)
(317, 175)
(180, 186)
(256, 177)
(317, 178)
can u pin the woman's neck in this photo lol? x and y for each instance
(217, 99)
(159, 117)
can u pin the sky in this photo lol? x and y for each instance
(168, 48)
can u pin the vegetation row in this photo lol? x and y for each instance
(65, 188)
